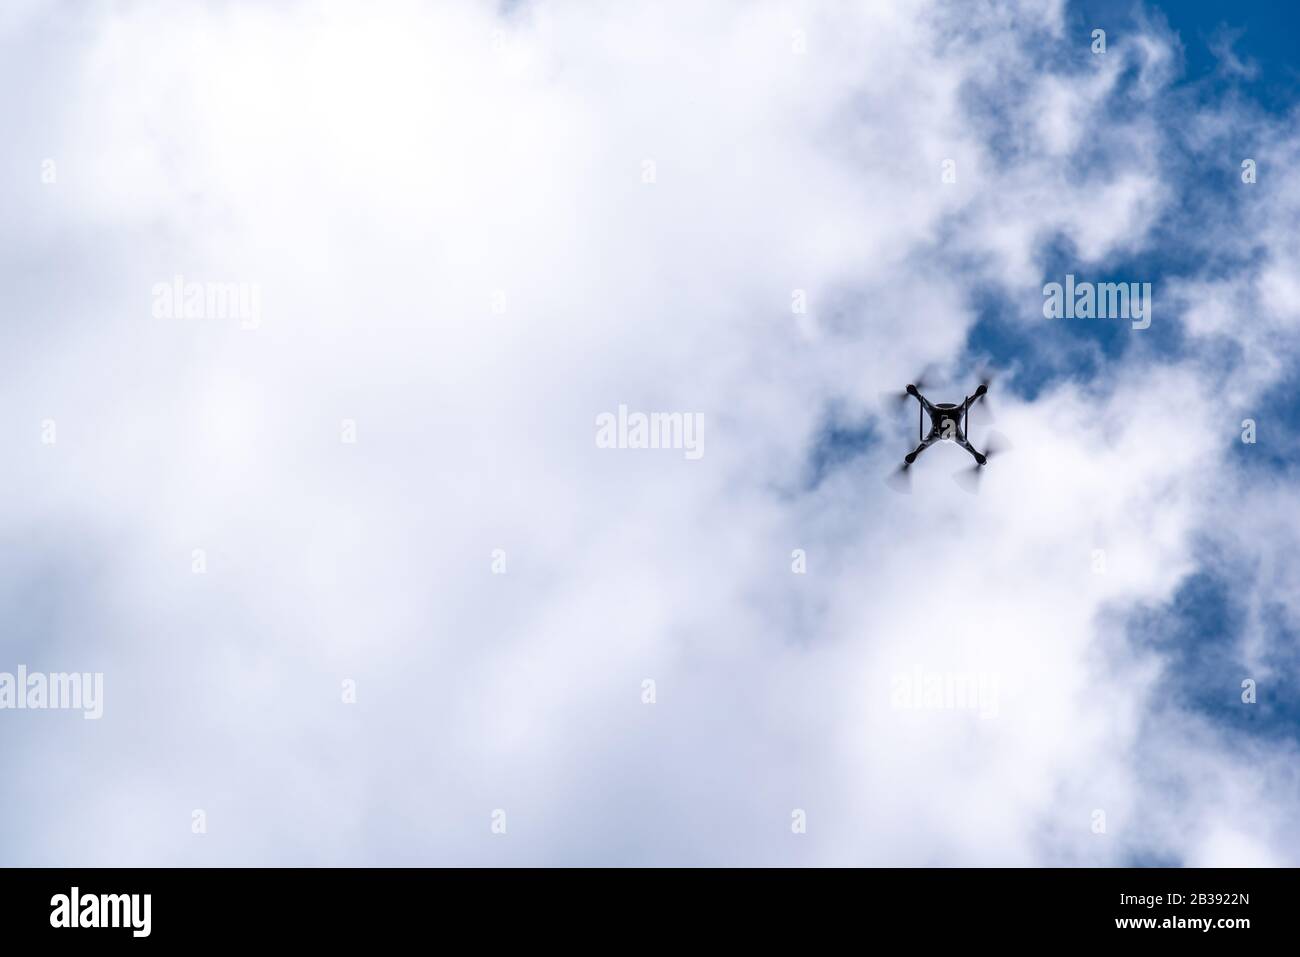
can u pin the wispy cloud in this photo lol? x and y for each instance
(472, 233)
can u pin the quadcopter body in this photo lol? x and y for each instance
(948, 421)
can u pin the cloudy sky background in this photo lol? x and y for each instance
(385, 171)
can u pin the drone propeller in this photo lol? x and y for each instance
(900, 480)
(894, 401)
(970, 478)
(995, 444)
(981, 394)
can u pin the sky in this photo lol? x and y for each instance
(366, 586)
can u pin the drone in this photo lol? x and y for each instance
(949, 422)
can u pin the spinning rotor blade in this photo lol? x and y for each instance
(970, 478)
(987, 377)
(900, 480)
(996, 443)
(894, 401)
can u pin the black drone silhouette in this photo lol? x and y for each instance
(949, 422)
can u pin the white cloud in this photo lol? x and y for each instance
(383, 174)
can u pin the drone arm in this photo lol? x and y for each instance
(924, 444)
(979, 456)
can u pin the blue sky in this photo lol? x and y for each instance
(474, 231)
(1200, 627)
(1258, 33)
(1207, 185)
